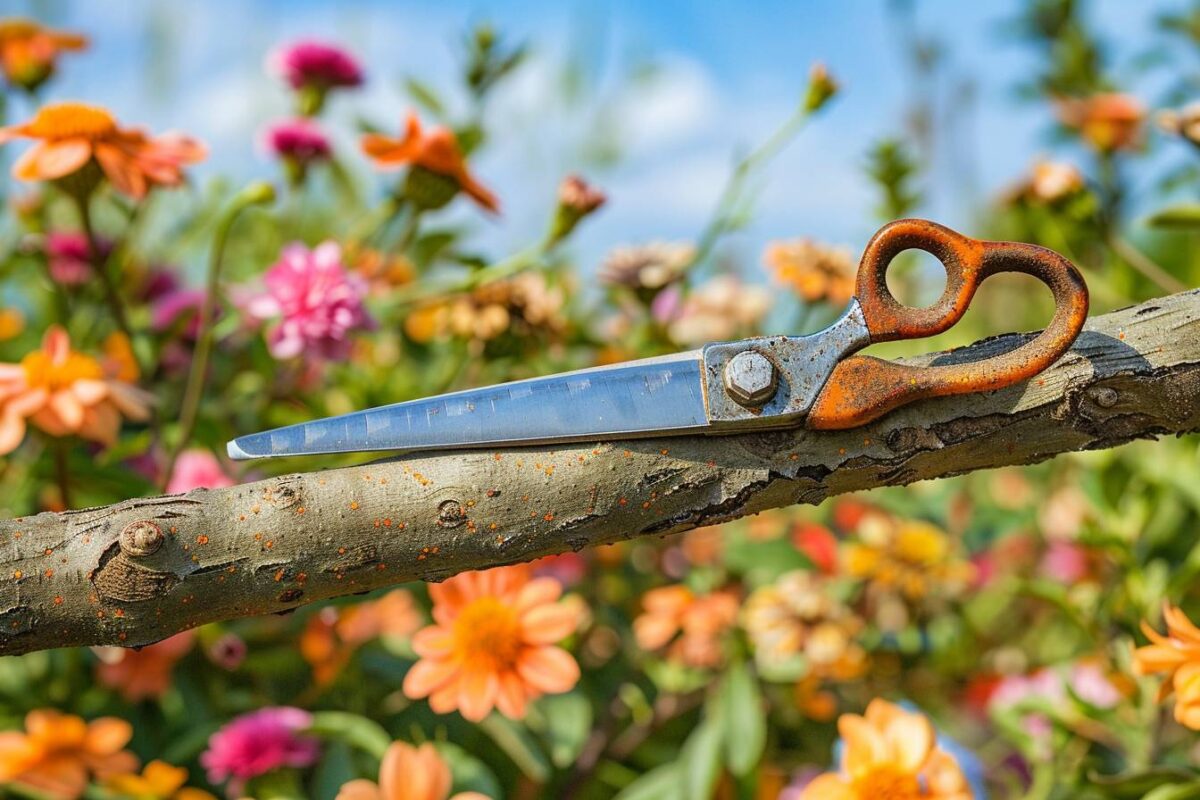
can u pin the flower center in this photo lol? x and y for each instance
(488, 631)
(72, 120)
(41, 371)
(888, 783)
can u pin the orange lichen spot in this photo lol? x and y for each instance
(794, 457)
(378, 523)
(279, 575)
(383, 481)
(241, 517)
(231, 569)
(492, 526)
(663, 452)
(173, 529)
(301, 577)
(17, 534)
(387, 522)
(866, 442)
(300, 510)
(381, 567)
(58, 599)
(710, 463)
(202, 539)
(258, 537)
(646, 504)
(421, 557)
(580, 459)
(255, 509)
(841, 451)
(1121, 335)
(622, 502)
(17, 574)
(341, 551)
(354, 505)
(49, 551)
(470, 504)
(122, 636)
(269, 543)
(524, 498)
(629, 454)
(496, 456)
(49, 573)
(548, 516)
(435, 549)
(402, 525)
(120, 612)
(100, 614)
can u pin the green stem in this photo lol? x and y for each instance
(255, 194)
(112, 297)
(62, 472)
(1147, 266)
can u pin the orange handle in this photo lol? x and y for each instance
(862, 388)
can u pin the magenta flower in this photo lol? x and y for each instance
(298, 140)
(197, 469)
(313, 64)
(257, 743)
(69, 257)
(318, 301)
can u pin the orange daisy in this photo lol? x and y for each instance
(693, 625)
(144, 673)
(492, 644)
(408, 773)
(58, 752)
(436, 151)
(28, 51)
(71, 136)
(158, 781)
(892, 753)
(1178, 656)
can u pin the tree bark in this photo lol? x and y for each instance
(140, 570)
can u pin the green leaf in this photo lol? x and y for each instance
(745, 719)
(567, 721)
(425, 96)
(1185, 791)
(1140, 784)
(660, 783)
(335, 769)
(516, 741)
(470, 774)
(701, 760)
(1185, 215)
(354, 730)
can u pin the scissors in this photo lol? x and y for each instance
(763, 383)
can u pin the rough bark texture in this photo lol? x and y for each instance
(140, 570)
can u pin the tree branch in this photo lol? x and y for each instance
(140, 570)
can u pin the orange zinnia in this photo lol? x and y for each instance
(436, 151)
(408, 773)
(699, 620)
(58, 752)
(28, 51)
(890, 753)
(144, 673)
(1178, 656)
(158, 781)
(72, 135)
(492, 644)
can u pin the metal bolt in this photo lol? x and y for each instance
(141, 538)
(750, 379)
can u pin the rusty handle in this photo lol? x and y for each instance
(863, 388)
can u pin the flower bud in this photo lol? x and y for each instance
(821, 88)
(576, 200)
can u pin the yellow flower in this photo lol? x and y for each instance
(910, 557)
(12, 323)
(890, 754)
(158, 781)
(1178, 656)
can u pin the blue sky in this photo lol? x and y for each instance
(729, 73)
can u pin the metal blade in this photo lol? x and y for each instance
(646, 397)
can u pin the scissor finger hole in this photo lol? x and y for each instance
(916, 278)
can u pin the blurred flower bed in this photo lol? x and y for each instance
(1018, 633)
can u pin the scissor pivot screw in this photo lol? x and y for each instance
(750, 379)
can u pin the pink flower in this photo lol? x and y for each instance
(197, 469)
(315, 64)
(319, 301)
(168, 307)
(298, 140)
(257, 743)
(70, 258)
(1065, 562)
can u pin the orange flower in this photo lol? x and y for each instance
(407, 773)
(814, 271)
(1108, 122)
(58, 752)
(28, 51)
(1178, 656)
(158, 781)
(139, 674)
(890, 753)
(436, 151)
(493, 644)
(332, 635)
(64, 392)
(699, 621)
(71, 136)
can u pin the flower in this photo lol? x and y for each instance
(911, 557)
(158, 781)
(576, 200)
(57, 752)
(1108, 122)
(320, 303)
(1048, 687)
(257, 743)
(299, 143)
(28, 51)
(1051, 181)
(407, 773)
(890, 753)
(144, 673)
(647, 268)
(721, 308)
(331, 635)
(1177, 655)
(174, 305)
(383, 271)
(70, 136)
(818, 544)
(813, 270)
(312, 68)
(432, 155)
(69, 256)
(799, 616)
(821, 88)
(524, 305)
(12, 323)
(493, 644)
(1184, 123)
(693, 625)
(197, 469)
(63, 392)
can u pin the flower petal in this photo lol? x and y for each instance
(551, 670)
(47, 161)
(428, 675)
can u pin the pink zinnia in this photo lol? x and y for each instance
(197, 469)
(317, 64)
(70, 257)
(319, 301)
(257, 743)
(298, 140)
